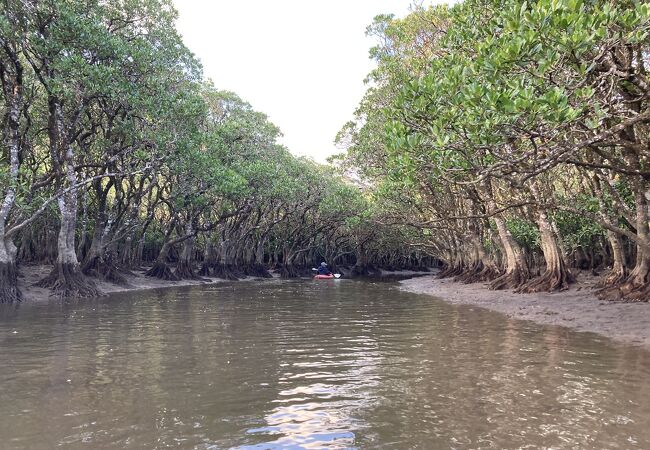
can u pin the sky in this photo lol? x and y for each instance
(301, 62)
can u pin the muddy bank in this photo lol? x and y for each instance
(578, 308)
(387, 275)
(136, 281)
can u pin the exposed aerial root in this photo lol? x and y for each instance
(289, 272)
(549, 281)
(613, 278)
(478, 274)
(257, 270)
(9, 292)
(626, 291)
(451, 271)
(104, 270)
(366, 270)
(512, 279)
(67, 281)
(185, 271)
(161, 271)
(205, 271)
(224, 272)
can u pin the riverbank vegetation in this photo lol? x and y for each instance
(512, 138)
(118, 155)
(507, 139)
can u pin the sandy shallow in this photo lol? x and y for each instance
(578, 308)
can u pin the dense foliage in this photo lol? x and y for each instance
(117, 154)
(512, 137)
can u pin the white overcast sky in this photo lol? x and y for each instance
(301, 62)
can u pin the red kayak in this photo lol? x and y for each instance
(324, 277)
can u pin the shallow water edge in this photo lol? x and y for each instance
(577, 308)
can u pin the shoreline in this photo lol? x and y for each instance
(28, 275)
(577, 308)
(137, 281)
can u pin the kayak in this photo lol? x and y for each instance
(324, 277)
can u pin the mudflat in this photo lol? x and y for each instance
(577, 308)
(29, 275)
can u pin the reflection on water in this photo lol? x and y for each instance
(335, 364)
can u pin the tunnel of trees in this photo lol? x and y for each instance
(118, 156)
(512, 137)
(506, 139)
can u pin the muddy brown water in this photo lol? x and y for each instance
(309, 364)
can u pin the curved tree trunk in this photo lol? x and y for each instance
(100, 260)
(637, 285)
(224, 268)
(288, 270)
(66, 278)
(208, 260)
(516, 270)
(457, 263)
(258, 269)
(482, 268)
(557, 276)
(160, 268)
(619, 271)
(184, 268)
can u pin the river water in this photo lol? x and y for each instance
(309, 364)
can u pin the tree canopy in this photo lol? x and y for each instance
(118, 155)
(513, 137)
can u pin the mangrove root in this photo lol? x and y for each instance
(225, 272)
(9, 292)
(512, 279)
(629, 290)
(161, 271)
(67, 281)
(549, 281)
(204, 271)
(257, 270)
(104, 270)
(478, 274)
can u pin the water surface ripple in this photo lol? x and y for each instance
(309, 364)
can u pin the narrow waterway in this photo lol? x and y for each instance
(309, 364)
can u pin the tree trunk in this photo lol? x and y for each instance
(516, 270)
(619, 271)
(66, 278)
(208, 260)
(160, 268)
(557, 276)
(184, 268)
(457, 264)
(224, 268)
(99, 261)
(9, 291)
(636, 287)
(12, 83)
(482, 267)
(257, 268)
(288, 269)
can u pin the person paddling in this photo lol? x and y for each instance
(323, 270)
